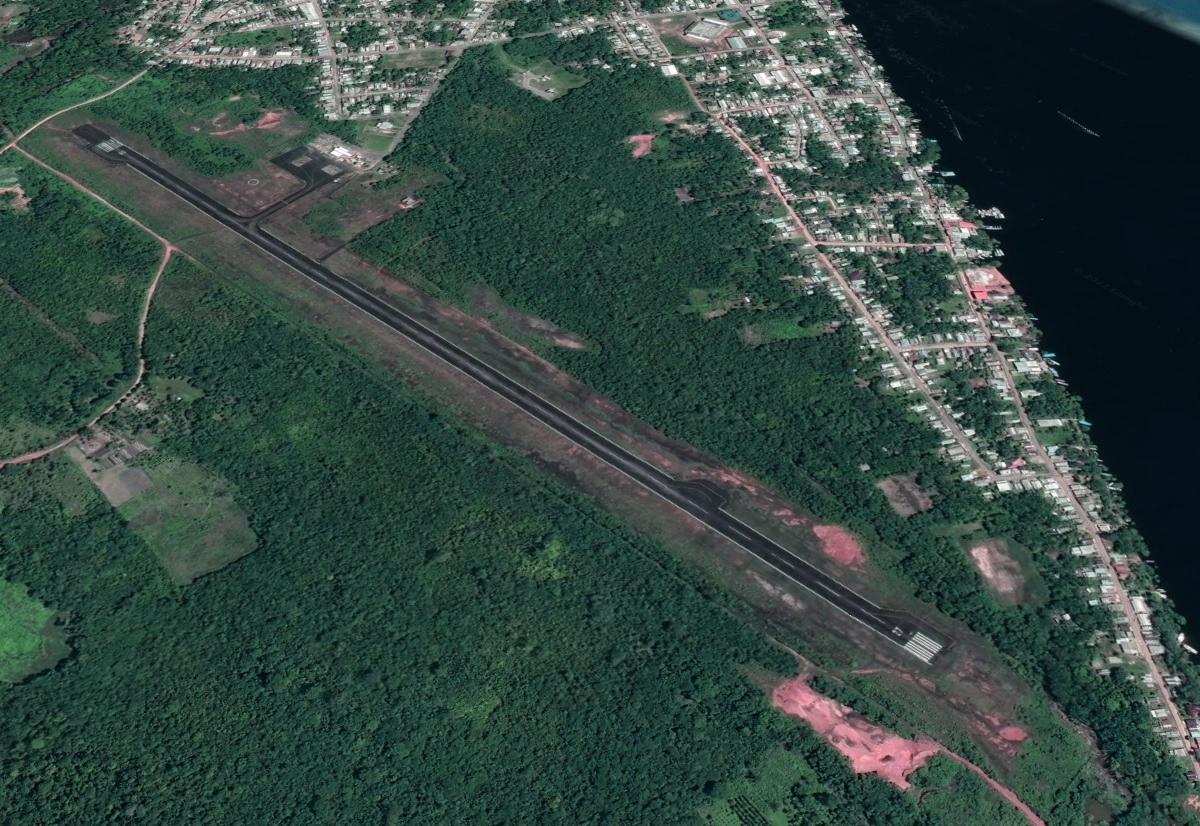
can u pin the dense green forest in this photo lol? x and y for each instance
(71, 289)
(429, 632)
(538, 15)
(805, 414)
(82, 49)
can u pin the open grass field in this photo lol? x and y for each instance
(540, 77)
(416, 58)
(185, 514)
(28, 642)
(374, 140)
(188, 517)
(263, 39)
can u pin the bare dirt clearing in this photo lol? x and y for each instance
(906, 497)
(642, 145)
(999, 570)
(16, 197)
(869, 748)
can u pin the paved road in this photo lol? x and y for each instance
(703, 500)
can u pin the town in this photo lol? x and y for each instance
(852, 185)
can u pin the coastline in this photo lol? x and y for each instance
(925, 89)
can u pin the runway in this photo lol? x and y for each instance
(704, 501)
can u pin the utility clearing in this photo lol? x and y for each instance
(185, 513)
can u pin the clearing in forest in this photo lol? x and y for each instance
(906, 497)
(183, 512)
(540, 77)
(997, 562)
(29, 640)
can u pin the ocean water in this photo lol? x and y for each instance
(1078, 119)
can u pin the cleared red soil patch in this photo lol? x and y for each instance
(642, 144)
(268, 120)
(1001, 572)
(869, 748)
(837, 543)
(841, 546)
(1014, 734)
(872, 749)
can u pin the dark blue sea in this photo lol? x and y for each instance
(1082, 122)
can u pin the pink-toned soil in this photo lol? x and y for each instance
(731, 478)
(788, 517)
(1014, 734)
(642, 144)
(875, 750)
(269, 120)
(1001, 572)
(869, 748)
(1007, 732)
(841, 546)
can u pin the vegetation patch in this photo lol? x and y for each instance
(29, 640)
(780, 329)
(476, 707)
(905, 495)
(546, 564)
(220, 121)
(71, 290)
(267, 40)
(170, 389)
(539, 76)
(188, 518)
(185, 514)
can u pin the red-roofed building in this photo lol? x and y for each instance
(987, 283)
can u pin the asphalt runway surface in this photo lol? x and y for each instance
(704, 501)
